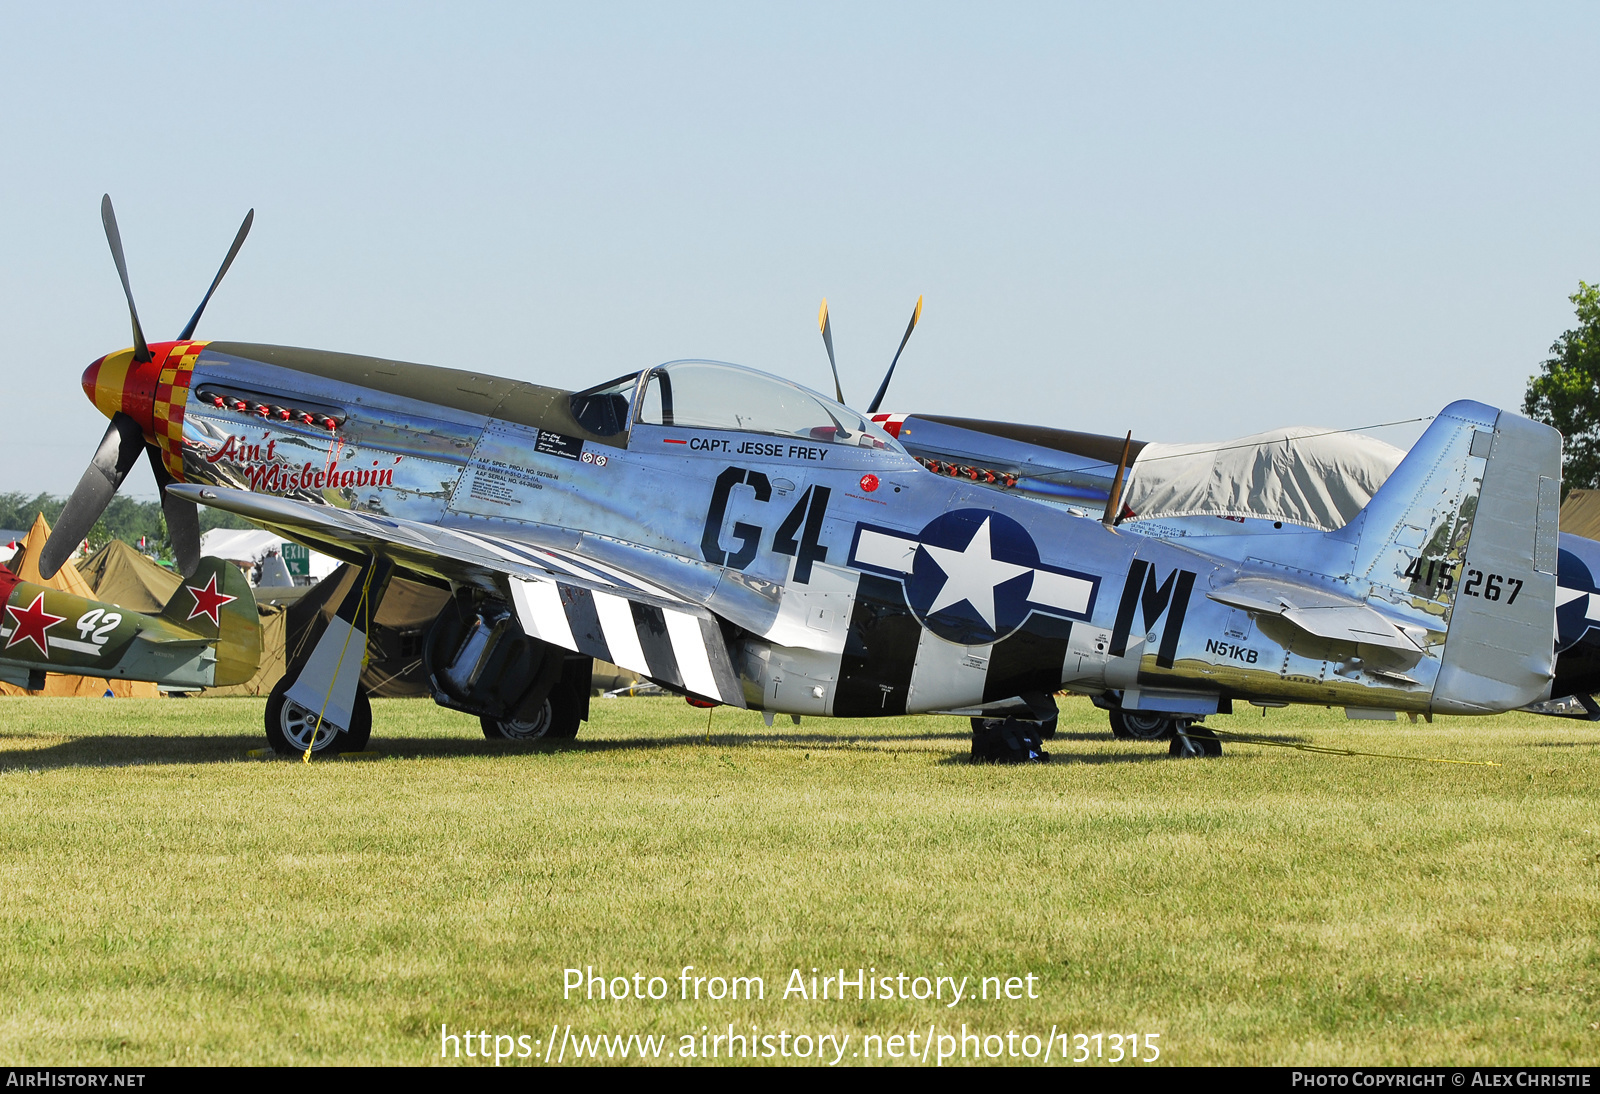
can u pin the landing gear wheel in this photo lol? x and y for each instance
(557, 720)
(1141, 725)
(1047, 729)
(290, 726)
(1196, 741)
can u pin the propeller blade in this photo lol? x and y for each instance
(827, 340)
(119, 450)
(1114, 501)
(108, 217)
(883, 388)
(183, 517)
(238, 241)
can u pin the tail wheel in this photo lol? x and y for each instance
(557, 720)
(1141, 725)
(292, 727)
(1194, 742)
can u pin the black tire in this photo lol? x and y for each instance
(1047, 729)
(1007, 741)
(1195, 742)
(557, 720)
(1141, 725)
(289, 725)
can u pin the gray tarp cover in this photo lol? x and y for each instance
(1301, 475)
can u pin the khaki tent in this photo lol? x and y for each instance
(26, 566)
(121, 575)
(25, 563)
(1580, 513)
(394, 661)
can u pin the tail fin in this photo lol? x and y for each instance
(1464, 531)
(216, 603)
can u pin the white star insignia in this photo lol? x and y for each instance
(1591, 610)
(971, 575)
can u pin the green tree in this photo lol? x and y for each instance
(1566, 393)
(124, 519)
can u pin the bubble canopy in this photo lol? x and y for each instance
(715, 395)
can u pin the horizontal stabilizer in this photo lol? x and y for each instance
(1315, 611)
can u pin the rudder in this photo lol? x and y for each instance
(217, 603)
(1463, 535)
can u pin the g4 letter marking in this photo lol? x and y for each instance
(749, 535)
(811, 506)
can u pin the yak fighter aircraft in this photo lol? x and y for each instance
(207, 635)
(741, 539)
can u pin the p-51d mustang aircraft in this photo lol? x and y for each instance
(207, 635)
(741, 539)
(1286, 482)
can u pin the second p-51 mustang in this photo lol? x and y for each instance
(741, 539)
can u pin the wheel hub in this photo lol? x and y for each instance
(300, 724)
(530, 730)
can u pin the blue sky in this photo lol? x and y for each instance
(1192, 221)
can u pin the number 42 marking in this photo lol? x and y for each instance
(100, 622)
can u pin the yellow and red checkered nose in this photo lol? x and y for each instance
(152, 393)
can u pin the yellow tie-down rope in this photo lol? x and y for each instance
(1247, 738)
(326, 699)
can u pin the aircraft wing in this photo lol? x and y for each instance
(589, 607)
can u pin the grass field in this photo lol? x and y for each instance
(167, 900)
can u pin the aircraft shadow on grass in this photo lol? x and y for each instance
(125, 750)
(135, 750)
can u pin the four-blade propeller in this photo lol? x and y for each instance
(826, 326)
(124, 440)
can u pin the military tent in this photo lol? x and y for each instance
(120, 574)
(1580, 513)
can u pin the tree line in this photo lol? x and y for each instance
(125, 518)
(1566, 392)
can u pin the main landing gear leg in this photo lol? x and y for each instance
(1191, 740)
(320, 704)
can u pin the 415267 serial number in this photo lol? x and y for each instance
(1492, 587)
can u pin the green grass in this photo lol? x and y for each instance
(167, 900)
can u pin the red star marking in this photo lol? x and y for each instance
(31, 624)
(208, 602)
